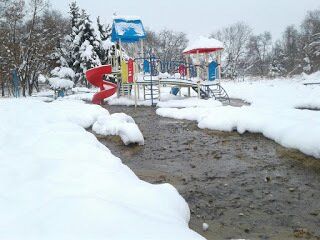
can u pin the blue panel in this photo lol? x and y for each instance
(127, 30)
(212, 71)
(193, 71)
(146, 66)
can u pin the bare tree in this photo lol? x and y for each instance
(235, 38)
(310, 29)
(259, 54)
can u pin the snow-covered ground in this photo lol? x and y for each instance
(284, 93)
(59, 182)
(119, 124)
(273, 111)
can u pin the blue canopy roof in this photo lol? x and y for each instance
(127, 29)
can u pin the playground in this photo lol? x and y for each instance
(145, 76)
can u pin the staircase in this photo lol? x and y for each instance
(125, 90)
(213, 91)
(218, 93)
(203, 93)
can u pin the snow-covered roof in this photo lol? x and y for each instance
(127, 29)
(126, 17)
(204, 45)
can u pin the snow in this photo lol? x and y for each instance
(88, 54)
(42, 78)
(292, 128)
(204, 42)
(125, 101)
(60, 83)
(123, 27)
(84, 90)
(80, 96)
(205, 226)
(284, 93)
(126, 17)
(59, 182)
(189, 102)
(63, 72)
(119, 124)
(274, 111)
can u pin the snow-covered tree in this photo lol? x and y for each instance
(235, 39)
(310, 29)
(259, 50)
(88, 56)
(277, 66)
(86, 48)
(105, 42)
(104, 30)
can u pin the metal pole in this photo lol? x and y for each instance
(151, 72)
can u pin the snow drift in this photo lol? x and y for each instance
(292, 128)
(59, 182)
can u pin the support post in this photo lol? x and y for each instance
(198, 83)
(187, 66)
(207, 65)
(142, 50)
(135, 94)
(219, 65)
(159, 87)
(120, 52)
(198, 64)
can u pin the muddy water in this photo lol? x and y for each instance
(243, 186)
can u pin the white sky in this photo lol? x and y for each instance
(201, 17)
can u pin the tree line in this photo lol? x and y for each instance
(37, 39)
(297, 51)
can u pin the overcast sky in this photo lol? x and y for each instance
(201, 17)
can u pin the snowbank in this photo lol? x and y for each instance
(285, 93)
(189, 102)
(292, 128)
(59, 182)
(121, 125)
(81, 96)
(124, 101)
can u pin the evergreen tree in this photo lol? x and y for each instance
(104, 34)
(105, 31)
(86, 48)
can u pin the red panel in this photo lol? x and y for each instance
(182, 70)
(130, 71)
(202, 50)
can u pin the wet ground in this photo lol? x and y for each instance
(243, 186)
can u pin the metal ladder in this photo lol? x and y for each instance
(218, 93)
(125, 90)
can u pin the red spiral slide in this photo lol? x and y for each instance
(95, 77)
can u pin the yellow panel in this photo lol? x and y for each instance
(124, 71)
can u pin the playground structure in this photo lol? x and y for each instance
(95, 77)
(146, 74)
